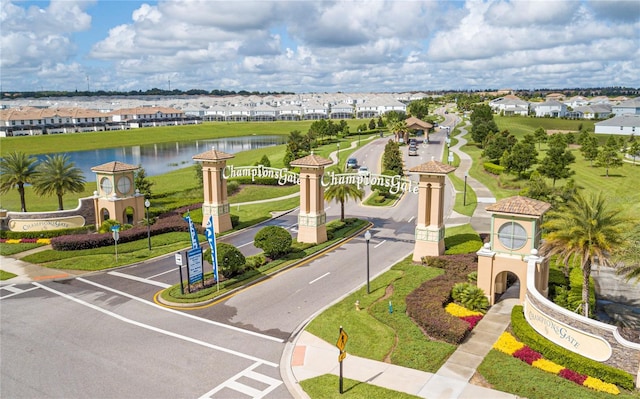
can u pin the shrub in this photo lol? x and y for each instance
(493, 168)
(470, 296)
(231, 262)
(425, 305)
(232, 187)
(523, 330)
(275, 241)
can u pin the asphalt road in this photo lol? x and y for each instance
(102, 336)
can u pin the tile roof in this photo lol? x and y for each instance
(415, 121)
(311, 160)
(433, 167)
(212, 155)
(114, 166)
(520, 205)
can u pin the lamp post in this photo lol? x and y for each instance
(448, 150)
(464, 197)
(358, 137)
(147, 204)
(367, 237)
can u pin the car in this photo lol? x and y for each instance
(352, 163)
(363, 171)
(412, 142)
(413, 150)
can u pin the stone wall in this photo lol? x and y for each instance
(625, 355)
(85, 209)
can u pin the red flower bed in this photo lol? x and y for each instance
(572, 376)
(472, 321)
(527, 355)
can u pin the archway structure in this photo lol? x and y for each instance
(515, 231)
(215, 189)
(312, 218)
(430, 224)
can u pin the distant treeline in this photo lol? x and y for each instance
(522, 93)
(134, 93)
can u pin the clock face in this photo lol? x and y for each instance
(512, 235)
(106, 186)
(124, 185)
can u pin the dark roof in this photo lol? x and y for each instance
(433, 167)
(311, 160)
(520, 205)
(114, 166)
(212, 155)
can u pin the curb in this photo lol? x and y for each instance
(232, 292)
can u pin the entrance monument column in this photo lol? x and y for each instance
(430, 224)
(312, 219)
(215, 189)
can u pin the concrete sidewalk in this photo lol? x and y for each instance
(312, 357)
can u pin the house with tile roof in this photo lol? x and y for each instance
(549, 108)
(628, 107)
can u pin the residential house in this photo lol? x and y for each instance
(629, 107)
(626, 124)
(510, 105)
(549, 108)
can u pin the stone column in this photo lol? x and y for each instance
(430, 224)
(215, 189)
(312, 218)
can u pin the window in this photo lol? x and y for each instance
(512, 235)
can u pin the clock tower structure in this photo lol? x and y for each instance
(116, 197)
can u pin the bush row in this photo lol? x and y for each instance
(426, 304)
(88, 241)
(493, 168)
(523, 330)
(16, 235)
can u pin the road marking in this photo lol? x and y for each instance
(244, 245)
(14, 290)
(215, 323)
(155, 329)
(140, 279)
(324, 275)
(166, 272)
(381, 242)
(410, 219)
(232, 383)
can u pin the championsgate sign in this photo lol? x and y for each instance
(395, 184)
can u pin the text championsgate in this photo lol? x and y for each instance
(395, 183)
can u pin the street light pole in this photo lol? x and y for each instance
(367, 237)
(147, 204)
(464, 197)
(358, 137)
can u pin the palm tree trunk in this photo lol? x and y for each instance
(23, 204)
(341, 210)
(60, 205)
(586, 273)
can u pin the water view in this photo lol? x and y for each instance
(161, 158)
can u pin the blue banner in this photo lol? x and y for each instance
(192, 230)
(211, 237)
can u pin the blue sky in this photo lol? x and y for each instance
(318, 46)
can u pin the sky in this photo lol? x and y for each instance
(308, 46)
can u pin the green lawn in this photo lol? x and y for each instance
(328, 387)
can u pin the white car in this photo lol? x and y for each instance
(364, 171)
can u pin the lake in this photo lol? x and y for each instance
(157, 159)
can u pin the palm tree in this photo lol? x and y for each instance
(16, 170)
(342, 192)
(629, 257)
(586, 230)
(57, 175)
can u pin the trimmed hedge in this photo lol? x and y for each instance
(523, 330)
(493, 168)
(426, 304)
(16, 235)
(88, 241)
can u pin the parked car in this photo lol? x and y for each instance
(413, 150)
(352, 163)
(364, 171)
